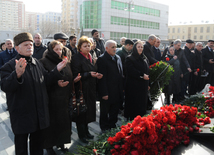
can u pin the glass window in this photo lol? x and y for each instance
(208, 29)
(195, 37)
(173, 30)
(201, 37)
(178, 30)
(207, 37)
(201, 30)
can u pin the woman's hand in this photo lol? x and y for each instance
(148, 88)
(20, 67)
(77, 78)
(182, 75)
(105, 97)
(61, 83)
(146, 77)
(99, 75)
(62, 64)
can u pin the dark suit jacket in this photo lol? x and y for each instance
(149, 53)
(207, 55)
(157, 53)
(111, 84)
(5, 56)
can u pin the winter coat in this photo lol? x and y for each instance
(190, 57)
(27, 98)
(59, 131)
(5, 56)
(38, 51)
(207, 55)
(136, 89)
(123, 53)
(83, 66)
(112, 82)
(174, 84)
(147, 50)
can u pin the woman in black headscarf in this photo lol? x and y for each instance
(137, 82)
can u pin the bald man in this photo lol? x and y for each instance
(39, 48)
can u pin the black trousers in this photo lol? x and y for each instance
(108, 114)
(36, 143)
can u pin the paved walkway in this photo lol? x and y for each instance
(197, 145)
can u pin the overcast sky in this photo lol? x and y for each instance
(179, 10)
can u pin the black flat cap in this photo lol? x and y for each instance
(134, 40)
(210, 40)
(128, 41)
(189, 41)
(93, 31)
(60, 35)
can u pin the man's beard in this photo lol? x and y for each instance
(37, 44)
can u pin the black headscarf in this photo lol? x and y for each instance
(53, 56)
(135, 52)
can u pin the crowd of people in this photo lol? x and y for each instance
(41, 81)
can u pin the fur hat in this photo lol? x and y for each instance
(22, 37)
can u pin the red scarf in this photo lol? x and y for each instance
(89, 56)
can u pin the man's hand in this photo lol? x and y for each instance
(196, 73)
(182, 75)
(77, 78)
(146, 77)
(175, 57)
(61, 83)
(189, 69)
(105, 97)
(62, 64)
(99, 75)
(211, 61)
(20, 67)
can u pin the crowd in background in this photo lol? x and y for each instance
(41, 81)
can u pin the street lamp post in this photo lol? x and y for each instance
(129, 8)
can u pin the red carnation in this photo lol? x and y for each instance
(197, 70)
(65, 57)
(167, 59)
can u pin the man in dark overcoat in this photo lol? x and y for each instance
(148, 49)
(208, 61)
(24, 81)
(38, 47)
(110, 87)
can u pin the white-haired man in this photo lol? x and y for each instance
(110, 87)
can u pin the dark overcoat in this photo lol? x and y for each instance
(207, 55)
(112, 82)
(59, 131)
(83, 66)
(136, 90)
(27, 98)
(174, 84)
(149, 53)
(5, 56)
(38, 51)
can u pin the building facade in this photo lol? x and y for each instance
(69, 18)
(197, 32)
(123, 18)
(12, 15)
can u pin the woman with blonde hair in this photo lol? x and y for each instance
(59, 131)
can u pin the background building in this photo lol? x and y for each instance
(12, 15)
(111, 18)
(69, 16)
(196, 32)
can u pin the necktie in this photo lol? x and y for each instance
(11, 53)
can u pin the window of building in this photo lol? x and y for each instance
(201, 29)
(178, 30)
(168, 30)
(173, 30)
(208, 29)
(201, 37)
(183, 37)
(207, 37)
(195, 29)
(195, 37)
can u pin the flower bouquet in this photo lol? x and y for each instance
(159, 75)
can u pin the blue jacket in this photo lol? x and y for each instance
(5, 56)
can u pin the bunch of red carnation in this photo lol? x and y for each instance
(153, 65)
(157, 133)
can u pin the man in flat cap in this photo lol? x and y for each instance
(187, 75)
(99, 41)
(24, 81)
(208, 61)
(62, 37)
